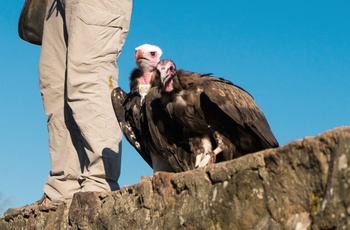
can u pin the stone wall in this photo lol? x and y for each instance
(302, 185)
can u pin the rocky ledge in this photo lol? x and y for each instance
(302, 185)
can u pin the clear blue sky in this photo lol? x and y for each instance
(292, 56)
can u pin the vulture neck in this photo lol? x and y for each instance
(145, 84)
(146, 77)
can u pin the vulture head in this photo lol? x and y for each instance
(143, 78)
(147, 56)
(167, 70)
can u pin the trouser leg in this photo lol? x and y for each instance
(97, 31)
(62, 181)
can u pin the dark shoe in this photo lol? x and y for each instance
(44, 204)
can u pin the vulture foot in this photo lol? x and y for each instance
(207, 159)
(201, 147)
(220, 142)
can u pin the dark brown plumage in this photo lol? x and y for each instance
(216, 119)
(130, 112)
(129, 107)
(167, 134)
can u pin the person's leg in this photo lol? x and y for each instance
(97, 31)
(62, 181)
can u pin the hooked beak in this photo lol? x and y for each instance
(164, 76)
(139, 56)
(166, 79)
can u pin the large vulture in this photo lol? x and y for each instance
(213, 118)
(129, 110)
(128, 107)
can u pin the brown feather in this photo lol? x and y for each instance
(207, 106)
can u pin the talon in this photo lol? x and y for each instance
(205, 161)
(199, 159)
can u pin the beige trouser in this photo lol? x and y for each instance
(81, 43)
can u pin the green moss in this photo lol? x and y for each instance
(314, 203)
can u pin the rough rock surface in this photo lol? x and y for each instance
(302, 185)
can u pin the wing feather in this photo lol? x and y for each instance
(166, 135)
(122, 105)
(240, 106)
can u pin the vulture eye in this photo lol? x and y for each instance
(153, 53)
(171, 68)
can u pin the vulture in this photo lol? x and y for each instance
(201, 119)
(128, 106)
(130, 112)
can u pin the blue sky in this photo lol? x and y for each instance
(292, 56)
